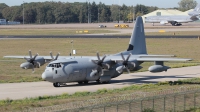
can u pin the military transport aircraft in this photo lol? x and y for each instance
(66, 69)
(175, 20)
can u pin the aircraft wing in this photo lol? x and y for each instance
(156, 56)
(150, 58)
(115, 58)
(49, 57)
(162, 59)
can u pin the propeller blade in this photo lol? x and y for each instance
(98, 56)
(35, 56)
(33, 69)
(57, 56)
(122, 56)
(103, 58)
(94, 61)
(128, 57)
(38, 64)
(51, 55)
(127, 70)
(26, 59)
(30, 54)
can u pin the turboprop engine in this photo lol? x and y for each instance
(32, 62)
(158, 68)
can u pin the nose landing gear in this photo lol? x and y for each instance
(56, 84)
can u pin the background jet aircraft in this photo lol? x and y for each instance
(65, 69)
(175, 20)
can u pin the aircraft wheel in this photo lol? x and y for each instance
(85, 82)
(106, 82)
(80, 82)
(98, 81)
(56, 84)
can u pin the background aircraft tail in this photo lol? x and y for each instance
(196, 11)
(137, 44)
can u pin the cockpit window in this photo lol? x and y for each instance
(56, 65)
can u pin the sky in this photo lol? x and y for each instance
(158, 3)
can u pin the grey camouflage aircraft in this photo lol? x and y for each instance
(175, 20)
(66, 69)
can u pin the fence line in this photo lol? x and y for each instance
(178, 99)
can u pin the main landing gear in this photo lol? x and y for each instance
(100, 82)
(176, 24)
(58, 84)
(85, 82)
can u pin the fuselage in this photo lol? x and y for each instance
(177, 18)
(76, 70)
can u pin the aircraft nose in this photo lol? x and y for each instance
(44, 76)
(47, 77)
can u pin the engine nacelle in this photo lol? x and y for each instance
(28, 65)
(163, 22)
(158, 68)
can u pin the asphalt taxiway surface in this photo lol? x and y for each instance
(34, 89)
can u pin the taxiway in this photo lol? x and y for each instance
(35, 89)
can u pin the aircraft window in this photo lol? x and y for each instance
(56, 65)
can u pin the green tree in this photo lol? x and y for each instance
(187, 4)
(115, 12)
(30, 15)
(94, 12)
(124, 12)
(2, 6)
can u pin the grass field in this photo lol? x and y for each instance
(83, 97)
(11, 72)
(53, 31)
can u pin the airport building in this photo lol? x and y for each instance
(4, 22)
(165, 12)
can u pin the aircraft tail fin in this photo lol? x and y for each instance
(196, 11)
(137, 44)
(197, 8)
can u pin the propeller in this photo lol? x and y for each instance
(124, 64)
(101, 64)
(53, 59)
(32, 61)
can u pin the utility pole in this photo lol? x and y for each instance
(119, 11)
(23, 12)
(88, 11)
(98, 15)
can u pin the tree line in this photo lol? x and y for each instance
(64, 12)
(78, 12)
